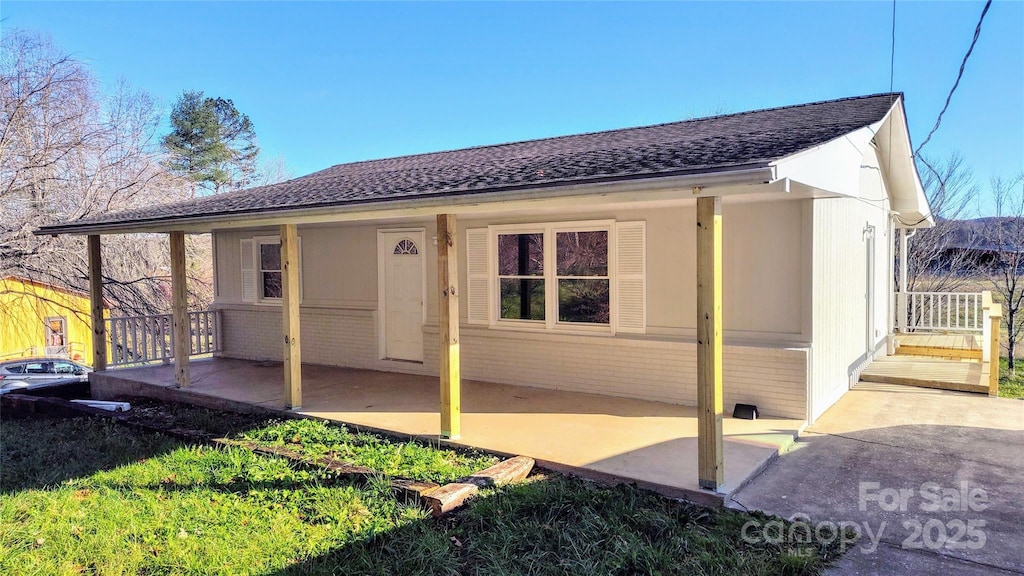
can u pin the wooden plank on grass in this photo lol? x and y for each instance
(406, 486)
(505, 472)
(451, 496)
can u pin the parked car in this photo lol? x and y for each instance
(26, 374)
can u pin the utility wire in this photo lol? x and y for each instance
(892, 49)
(977, 32)
(938, 121)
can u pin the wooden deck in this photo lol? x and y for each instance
(963, 375)
(949, 346)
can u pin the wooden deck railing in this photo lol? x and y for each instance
(940, 311)
(147, 339)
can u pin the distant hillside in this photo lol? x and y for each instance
(982, 234)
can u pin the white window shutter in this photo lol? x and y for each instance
(631, 276)
(249, 271)
(477, 271)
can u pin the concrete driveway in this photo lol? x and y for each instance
(933, 481)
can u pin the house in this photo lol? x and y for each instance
(742, 258)
(41, 318)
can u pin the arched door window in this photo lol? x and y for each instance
(406, 246)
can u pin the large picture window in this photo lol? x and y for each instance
(552, 275)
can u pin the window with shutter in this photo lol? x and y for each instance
(261, 269)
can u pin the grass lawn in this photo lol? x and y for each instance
(1011, 386)
(85, 496)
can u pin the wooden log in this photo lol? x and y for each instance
(290, 316)
(710, 468)
(448, 327)
(451, 496)
(505, 472)
(99, 326)
(179, 310)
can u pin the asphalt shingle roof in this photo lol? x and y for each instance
(718, 143)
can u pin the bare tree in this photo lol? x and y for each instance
(1003, 243)
(933, 262)
(273, 172)
(68, 152)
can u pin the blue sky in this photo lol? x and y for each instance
(333, 82)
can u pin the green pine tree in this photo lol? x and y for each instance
(211, 143)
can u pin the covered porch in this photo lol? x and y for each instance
(700, 462)
(608, 438)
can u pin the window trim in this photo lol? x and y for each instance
(257, 243)
(496, 276)
(551, 322)
(47, 332)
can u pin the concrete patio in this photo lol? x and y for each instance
(608, 438)
(899, 438)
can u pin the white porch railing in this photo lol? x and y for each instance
(940, 311)
(146, 339)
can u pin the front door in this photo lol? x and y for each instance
(403, 295)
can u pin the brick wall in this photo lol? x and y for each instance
(329, 336)
(648, 368)
(775, 379)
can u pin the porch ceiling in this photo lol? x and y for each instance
(652, 443)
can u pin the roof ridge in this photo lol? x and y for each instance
(606, 131)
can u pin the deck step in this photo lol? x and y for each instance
(936, 352)
(924, 372)
(955, 386)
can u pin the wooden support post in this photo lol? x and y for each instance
(448, 326)
(710, 470)
(290, 316)
(995, 316)
(179, 310)
(99, 325)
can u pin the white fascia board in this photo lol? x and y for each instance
(833, 167)
(897, 155)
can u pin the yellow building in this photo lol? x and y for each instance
(40, 319)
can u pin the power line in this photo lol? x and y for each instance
(977, 32)
(892, 48)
